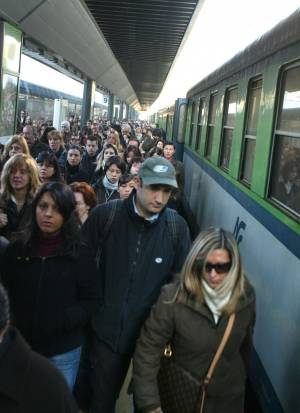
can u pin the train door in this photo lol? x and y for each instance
(178, 131)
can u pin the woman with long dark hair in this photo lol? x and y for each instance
(52, 297)
(48, 167)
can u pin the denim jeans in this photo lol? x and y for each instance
(67, 364)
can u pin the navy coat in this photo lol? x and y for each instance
(137, 258)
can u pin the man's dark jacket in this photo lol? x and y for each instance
(88, 164)
(38, 147)
(137, 258)
(29, 383)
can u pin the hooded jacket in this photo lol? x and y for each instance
(194, 336)
(137, 258)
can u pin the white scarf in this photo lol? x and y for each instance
(109, 185)
(214, 300)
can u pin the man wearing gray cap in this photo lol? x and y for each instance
(135, 246)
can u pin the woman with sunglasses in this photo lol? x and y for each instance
(192, 317)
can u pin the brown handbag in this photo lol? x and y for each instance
(180, 391)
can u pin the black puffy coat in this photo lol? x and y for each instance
(52, 298)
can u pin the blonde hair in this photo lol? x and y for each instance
(20, 159)
(117, 138)
(192, 270)
(100, 157)
(19, 140)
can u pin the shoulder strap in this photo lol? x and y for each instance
(113, 207)
(220, 348)
(171, 221)
(110, 219)
(216, 359)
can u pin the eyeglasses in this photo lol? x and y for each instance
(219, 268)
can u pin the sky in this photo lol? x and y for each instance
(222, 29)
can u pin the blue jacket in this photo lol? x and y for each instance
(137, 258)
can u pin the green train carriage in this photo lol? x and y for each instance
(238, 132)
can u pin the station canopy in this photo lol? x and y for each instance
(126, 46)
(144, 35)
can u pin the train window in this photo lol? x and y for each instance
(199, 123)
(211, 125)
(192, 126)
(285, 169)
(250, 130)
(228, 126)
(181, 125)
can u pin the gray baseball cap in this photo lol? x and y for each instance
(158, 171)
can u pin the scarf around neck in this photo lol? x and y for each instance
(109, 185)
(215, 300)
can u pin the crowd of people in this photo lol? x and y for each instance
(98, 270)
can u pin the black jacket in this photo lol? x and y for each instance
(74, 174)
(28, 382)
(88, 165)
(51, 298)
(17, 220)
(137, 258)
(38, 147)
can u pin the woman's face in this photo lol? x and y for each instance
(113, 173)
(129, 156)
(48, 217)
(15, 148)
(82, 209)
(111, 139)
(46, 171)
(108, 153)
(54, 143)
(19, 178)
(74, 157)
(217, 267)
(160, 144)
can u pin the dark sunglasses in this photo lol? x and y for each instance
(219, 268)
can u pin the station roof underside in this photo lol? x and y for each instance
(144, 35)
(126, 46)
